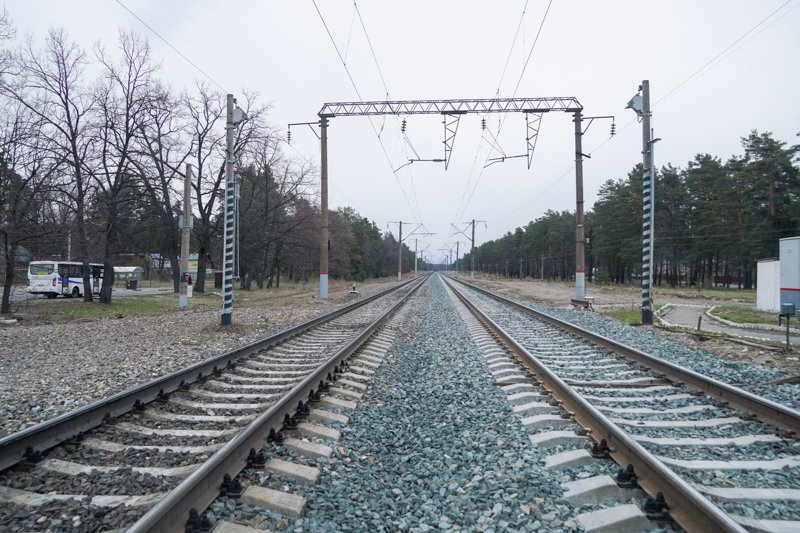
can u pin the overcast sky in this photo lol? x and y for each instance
(598, 52)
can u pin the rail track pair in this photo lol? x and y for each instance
(276, 392)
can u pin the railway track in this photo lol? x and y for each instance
(710, 456)
(722, 459)
(154, 457)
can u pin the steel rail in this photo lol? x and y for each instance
(766, 410)
(52, 432)
(687, 506)
(202, 486)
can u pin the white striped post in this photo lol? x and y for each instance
(648, 206)
(226, 318)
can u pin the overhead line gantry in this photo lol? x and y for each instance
(452, 110)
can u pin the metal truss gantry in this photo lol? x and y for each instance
(452, 109)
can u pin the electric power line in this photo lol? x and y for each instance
(708, 63)
(516, 88)
(146, 25)
(358, 94)
(397, 119)
(671, 92)
(513, 42)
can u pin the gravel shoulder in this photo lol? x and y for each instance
(558, 295)
(50, 369)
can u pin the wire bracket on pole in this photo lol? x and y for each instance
(450, 128)
(532, 124)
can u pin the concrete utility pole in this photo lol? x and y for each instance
(641, 105)
(458, 243)
(183, 300)
(324, 242)
(400, 254)
(580, 265)
(416, 243)
(400, 246)
(233, 117)
(472, 240)
(399, 250)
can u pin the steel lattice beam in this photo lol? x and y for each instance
(532, 125)
(450, 128)
(566, 104)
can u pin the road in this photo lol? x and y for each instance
(20, 295)
(687, 315)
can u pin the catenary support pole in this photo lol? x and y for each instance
(648, 203)
(415, 257)
(183, 300)
(580, 268)
(400, 254)
(472, 252)
(324, 244)
(226, 318)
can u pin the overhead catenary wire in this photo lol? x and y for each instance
(397, 119)
(459, 210)
(192, 63)
(358, 94)
(502, 121)
(713, 59)
(513, 43)
(675, 89)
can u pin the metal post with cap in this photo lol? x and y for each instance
(324, 242)
(640, 103)
(234, 116)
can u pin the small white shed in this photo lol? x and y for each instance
(768, 288)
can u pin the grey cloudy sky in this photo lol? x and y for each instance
(595, 51)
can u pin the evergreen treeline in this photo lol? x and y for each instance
(713, 221)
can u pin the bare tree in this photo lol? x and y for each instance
(25, 186)
(206, 112)
(47, 84)
(124, 98)
(161, 149)
(207, 122)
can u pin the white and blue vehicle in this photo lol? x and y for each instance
(52, 278)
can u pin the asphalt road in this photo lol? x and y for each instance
(686, 315)
(20, 295)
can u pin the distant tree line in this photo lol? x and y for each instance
(93, 150)
(713, 221)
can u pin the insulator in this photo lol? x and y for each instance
(289, 137)
(483, 123)
(403, 126)
(613, 129)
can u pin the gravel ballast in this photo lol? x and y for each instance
(51, 369)
(752, 377)
(433, 445)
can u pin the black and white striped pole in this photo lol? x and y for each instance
(234, 116)
(641, 104)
